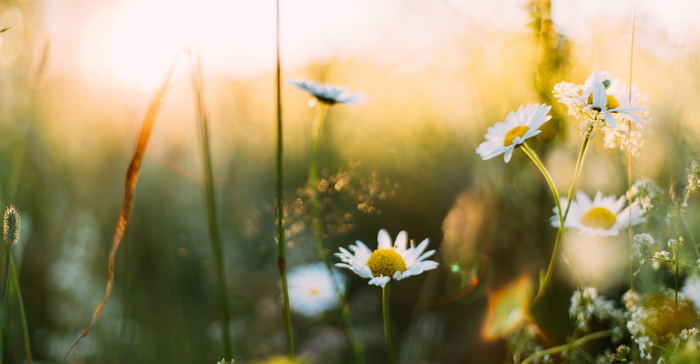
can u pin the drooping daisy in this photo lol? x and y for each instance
(519, 126)
(311, 290)
(600, 217)
(327, 93)
(389, 260)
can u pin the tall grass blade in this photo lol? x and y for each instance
(132, 175)
(281, 261)
(217, 249)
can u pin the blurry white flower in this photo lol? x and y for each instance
(692, 290)
(388, 261)
(600, 217)
(521, 125)
(311, 290)
(330, 94)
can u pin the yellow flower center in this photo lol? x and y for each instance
(610, 104)
(518, 131)
(386, 262)
(314, 291)
(599, 218)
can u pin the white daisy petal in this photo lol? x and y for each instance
(384, 239)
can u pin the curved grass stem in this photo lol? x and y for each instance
(343, 309)
(560, 213)
(574, 344)
(210, 193)
(387, 323)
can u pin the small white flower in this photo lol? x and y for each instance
(600, 217)
(388, 260)
(518, 126)
(311, 290)
(328, 93)
(663, 255)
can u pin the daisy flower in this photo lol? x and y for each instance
(327, 93)
(311, 290)
(388, 260)
(600, 217)
(519, 126)
(606, 96)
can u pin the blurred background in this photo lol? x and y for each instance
(76, 77)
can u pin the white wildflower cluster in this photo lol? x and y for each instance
(624, 138)
(651, 321)
(585, 306)
(640, 323)
(688, 333)
(522, 339)
(662, 255)
(567, 93)
(646, 192)
(641, 247)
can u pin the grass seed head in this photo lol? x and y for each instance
(11, 225)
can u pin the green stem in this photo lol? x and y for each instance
(343, 309)
(387, 323)
(23, 317)
(569, 198)
(5, 299)
(560, 348)
(281, 260)
(211, 202)
(555, 194)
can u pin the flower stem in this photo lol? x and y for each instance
(574, 344)
(5, 298)
(343, 309)
(387, 323)
(555, 194)
(569, 198)
(281, 262)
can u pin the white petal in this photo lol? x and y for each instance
(401, 241)
(384, 239)
(509, 153)
(379, 281)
